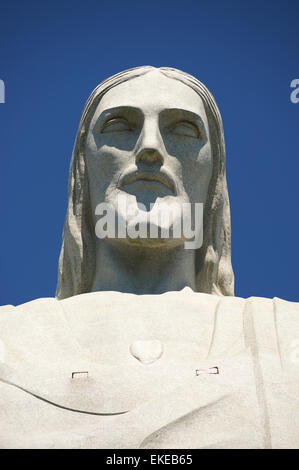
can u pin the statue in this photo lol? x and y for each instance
(145, 345)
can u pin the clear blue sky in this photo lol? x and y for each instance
(52, 54)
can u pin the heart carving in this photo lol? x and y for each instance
(147, 351)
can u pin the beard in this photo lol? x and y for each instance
(145, 221)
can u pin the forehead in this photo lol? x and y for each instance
(153, 92)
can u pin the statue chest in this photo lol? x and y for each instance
(175, 408)
(157, 372)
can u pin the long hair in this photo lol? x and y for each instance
(76, 268)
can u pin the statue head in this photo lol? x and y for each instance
(148, 135)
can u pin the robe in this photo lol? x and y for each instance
(227, 375)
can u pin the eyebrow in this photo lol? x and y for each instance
(185, 113)
(116, 109)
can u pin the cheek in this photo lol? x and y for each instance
(104, 166)
(196, 174)
(105, 160)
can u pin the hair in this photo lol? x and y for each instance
(76, 268)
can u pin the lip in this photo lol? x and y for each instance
(161, 178)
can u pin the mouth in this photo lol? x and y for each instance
(161, 178)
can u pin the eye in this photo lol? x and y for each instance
(186, 128)
(116, 124)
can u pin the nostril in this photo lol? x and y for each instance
(149, 156)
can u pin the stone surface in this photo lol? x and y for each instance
(145, 345)
(147, 351)
(251, 403)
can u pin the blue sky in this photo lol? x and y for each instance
(52, 54)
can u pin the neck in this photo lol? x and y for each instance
(143, 270)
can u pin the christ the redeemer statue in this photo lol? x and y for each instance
(145, 345)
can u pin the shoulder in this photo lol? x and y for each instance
(27, 327)
(9, 314)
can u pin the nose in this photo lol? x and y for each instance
(150, 146)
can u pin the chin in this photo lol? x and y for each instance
(164, 237)
(154, 242)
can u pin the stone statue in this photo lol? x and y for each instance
(145, 345)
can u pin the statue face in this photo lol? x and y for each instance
(149, 143)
